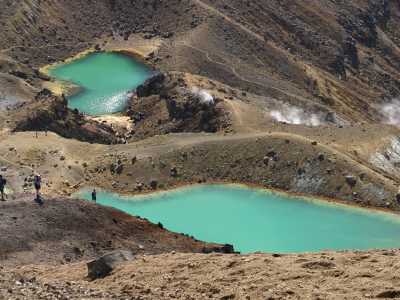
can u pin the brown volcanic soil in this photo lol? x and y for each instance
(57, 230)
(253, 56)
(336, 60)
(325, 275)
(283, 158)
(317, 53)
(341, 56)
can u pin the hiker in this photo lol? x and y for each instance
(37, 181)
(2, 184)
(94, 195)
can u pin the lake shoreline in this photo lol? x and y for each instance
(136, 54)
(251, 185)
(99, 81)
(257, 219)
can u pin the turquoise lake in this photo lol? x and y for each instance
(254, 219)
(105, 79)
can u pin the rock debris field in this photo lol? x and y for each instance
(15, 286)
(325, 275)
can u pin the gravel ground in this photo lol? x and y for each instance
(15, 286)
(347, 274)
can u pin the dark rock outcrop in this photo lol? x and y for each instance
(351, 180)
(165, 105)
(104, 265)
(50, 112)
(227, 249)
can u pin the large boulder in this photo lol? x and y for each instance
(271, 153)
(154, 184)
(167, 35)
(226, 249)
(120, 168)
(398, 196)
(351, 180)
(320, 156)
(174, 172)
(104, 265)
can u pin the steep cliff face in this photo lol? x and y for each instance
(50, 112)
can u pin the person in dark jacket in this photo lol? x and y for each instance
(94, 195)
(37, 182)
(2, 184)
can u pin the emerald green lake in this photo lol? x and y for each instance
(104, 78)
(254, 219)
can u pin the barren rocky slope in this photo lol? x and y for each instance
(318, 55)
(56, 230)
(338, 164)
(317, 63)
(325, 275)
(324, 63)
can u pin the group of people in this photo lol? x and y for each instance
(37, 183)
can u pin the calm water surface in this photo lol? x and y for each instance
(257, 219)
(105, 79)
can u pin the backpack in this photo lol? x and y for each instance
(4, 181)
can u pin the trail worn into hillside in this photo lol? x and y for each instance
(241, 76)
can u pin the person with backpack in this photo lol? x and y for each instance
(37, 181)
(3, 182)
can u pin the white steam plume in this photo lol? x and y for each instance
(206, 98)
(391, 112)
(294, 115)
